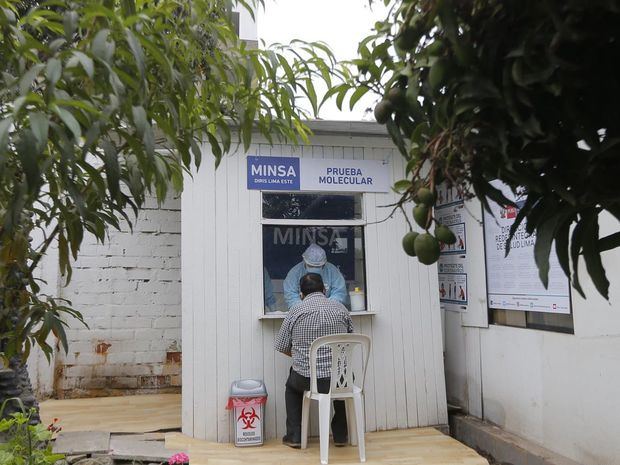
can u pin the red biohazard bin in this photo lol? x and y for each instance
(247, 401)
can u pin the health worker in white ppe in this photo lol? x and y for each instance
(315, 261)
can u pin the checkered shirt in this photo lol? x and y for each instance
(313, 317)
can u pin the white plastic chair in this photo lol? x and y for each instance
(341, 388)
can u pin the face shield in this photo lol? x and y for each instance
(313, 269)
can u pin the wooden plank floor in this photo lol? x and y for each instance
(128, 414)
(420, 446)
(141, 414)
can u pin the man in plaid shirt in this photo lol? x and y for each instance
(313, 317)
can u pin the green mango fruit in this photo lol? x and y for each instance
(396, 96)
(425, 196)
(426, 248)
(445, 235)
(383, 111)
(408, 243)
(420, 215)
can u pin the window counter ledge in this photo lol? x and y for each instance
(281, 316)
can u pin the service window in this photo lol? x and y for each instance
(287, 234)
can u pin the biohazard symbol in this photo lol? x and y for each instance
(248, 417)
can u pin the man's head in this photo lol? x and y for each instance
(311, 283)
(314, 258)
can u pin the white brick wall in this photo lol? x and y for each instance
(129, 291)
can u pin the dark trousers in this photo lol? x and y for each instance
(295, 387)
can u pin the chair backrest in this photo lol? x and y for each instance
(341, 346)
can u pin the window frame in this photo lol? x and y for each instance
(355, 222)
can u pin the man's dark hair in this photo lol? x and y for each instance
(311, 282)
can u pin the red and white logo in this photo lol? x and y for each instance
(248, 418)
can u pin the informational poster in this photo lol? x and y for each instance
(513, 282)
(317, 174)
(452, 265)
(453, 284)
(452, 216)
(448, 195)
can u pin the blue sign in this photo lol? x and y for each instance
(318, 174)
(273, 173)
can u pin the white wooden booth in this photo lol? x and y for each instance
(228, 336)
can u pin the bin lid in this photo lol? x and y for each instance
(248, 388)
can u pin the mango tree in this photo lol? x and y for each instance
(105, 102)
(526, 92)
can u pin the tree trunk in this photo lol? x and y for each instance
(15, 382)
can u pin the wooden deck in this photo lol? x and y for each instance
(128, 414)
(420, 446)
(141, 414)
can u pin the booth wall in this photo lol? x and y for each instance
(224, 339)
(558, 390)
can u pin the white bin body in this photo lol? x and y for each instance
(249, 425)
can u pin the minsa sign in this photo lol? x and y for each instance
(312, 174)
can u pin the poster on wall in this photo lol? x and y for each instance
(450, 211)
(448, 195)
(513, 282)
(452, 216)
(452, 284)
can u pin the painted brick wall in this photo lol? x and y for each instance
(129, 291)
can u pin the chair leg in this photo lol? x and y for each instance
(305, 414)
(359, 414)
(324, 417)
(351, 422)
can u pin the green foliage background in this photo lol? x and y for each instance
(104, 102)
(524, 91)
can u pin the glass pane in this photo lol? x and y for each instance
(551, 321)
(329, 206)
(534, 320)
(283, 247)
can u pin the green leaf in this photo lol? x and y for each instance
(592, 256)
(542, 247)
(311, 93)
(69, 22)
(136, 50)
(63, 256)
(402, 185)
(39, 124)
(53, 70)
(562, 247)
(342, 92)
(25, 83)
(112, 168)
(523, 212)
(575, 248)
(101, 47)
(86, 62)
(290, 75)
(27, 151)
(358, 94)
(215, 147)
(197, 153)
(139, 119)
(437, 74)
(5, 128)
(69, 120)
(128, 7)
(609, 242)
(397, 137)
